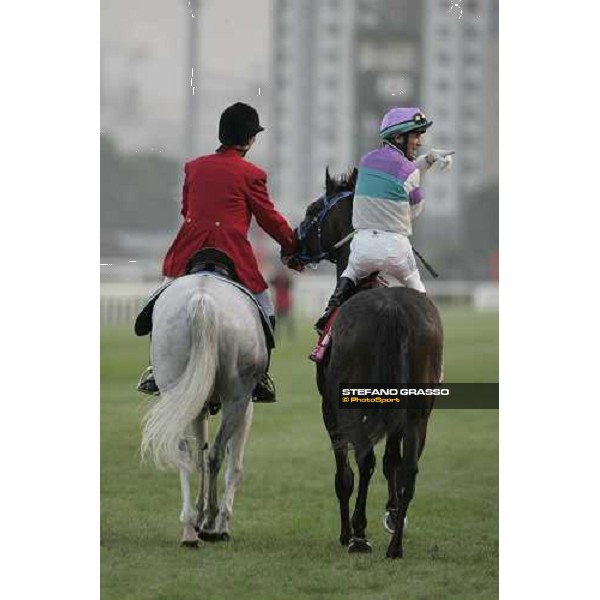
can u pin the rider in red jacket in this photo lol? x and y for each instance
(221, 193)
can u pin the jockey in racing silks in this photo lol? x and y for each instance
(387, 199)
(221, 193)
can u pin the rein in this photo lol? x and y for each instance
(308, 225)
(316, 222)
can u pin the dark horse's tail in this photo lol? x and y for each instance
(373, 344)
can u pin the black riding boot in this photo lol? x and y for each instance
(264, 391)
(344, 288)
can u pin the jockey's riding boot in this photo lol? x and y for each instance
(146, 384)
(264, 391)
(343, 289)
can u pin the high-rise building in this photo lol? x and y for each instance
(460, 93)
(312, 76)
(337, 66)
(388, 64)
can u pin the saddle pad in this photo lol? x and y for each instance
(269, 334)
(143, 322)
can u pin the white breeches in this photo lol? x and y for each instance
(373, 250)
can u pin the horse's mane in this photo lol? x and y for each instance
(315, 207)
(344, 182)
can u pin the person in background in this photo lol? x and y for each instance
(282, 288)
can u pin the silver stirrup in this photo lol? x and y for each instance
(140, 386)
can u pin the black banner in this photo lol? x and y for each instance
(407, 395)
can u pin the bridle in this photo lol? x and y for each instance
(309, 225)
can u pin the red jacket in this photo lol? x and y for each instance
(220, 194)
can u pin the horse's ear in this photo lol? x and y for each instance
(329, 185)
(353, 177)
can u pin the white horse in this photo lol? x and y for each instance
(208, 346)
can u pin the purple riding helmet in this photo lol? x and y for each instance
(403, 120)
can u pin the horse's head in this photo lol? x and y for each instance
(328, 220)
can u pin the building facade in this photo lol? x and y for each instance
(460, 93)
(337, 67)
(312, 107)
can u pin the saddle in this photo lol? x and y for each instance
(205, 262)
(374, 280)
(212, 259)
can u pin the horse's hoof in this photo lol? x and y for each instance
(393, 554)
(209, 536)
(359, 546)
(345, 539)
(214, 536)
(189, 543)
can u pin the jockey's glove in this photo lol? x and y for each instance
(436, 155)
(440, 156)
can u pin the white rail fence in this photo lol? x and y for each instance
(121, 302)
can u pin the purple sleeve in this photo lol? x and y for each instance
(415, 196)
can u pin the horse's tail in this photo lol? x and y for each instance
(390, 340)
(181, 402)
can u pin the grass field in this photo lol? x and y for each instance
(285, 521)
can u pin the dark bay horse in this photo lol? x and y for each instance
(387, 335)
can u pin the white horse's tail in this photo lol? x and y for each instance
(166, 422)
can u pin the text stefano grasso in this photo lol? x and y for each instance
(421, 391)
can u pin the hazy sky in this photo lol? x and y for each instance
(235, 39)
(144, 45)
(234, 34)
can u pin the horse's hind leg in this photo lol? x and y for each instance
(366, 467)
(234, 473)
(404, 479)
(233, 415)
(391, 462)
(344, 485)
(188, 514)
(200, 426)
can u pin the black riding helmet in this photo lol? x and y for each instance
(238, 123)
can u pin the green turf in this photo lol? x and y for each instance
(285, 522)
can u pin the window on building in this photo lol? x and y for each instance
(470, 113)
(471, 58)
(440, 192)
(471, 85)
(471, 166)
(330, 81)
(444, 58)
(441, 112)
(471, 31)
(332, 54)
(471, 6)
(332, 28)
